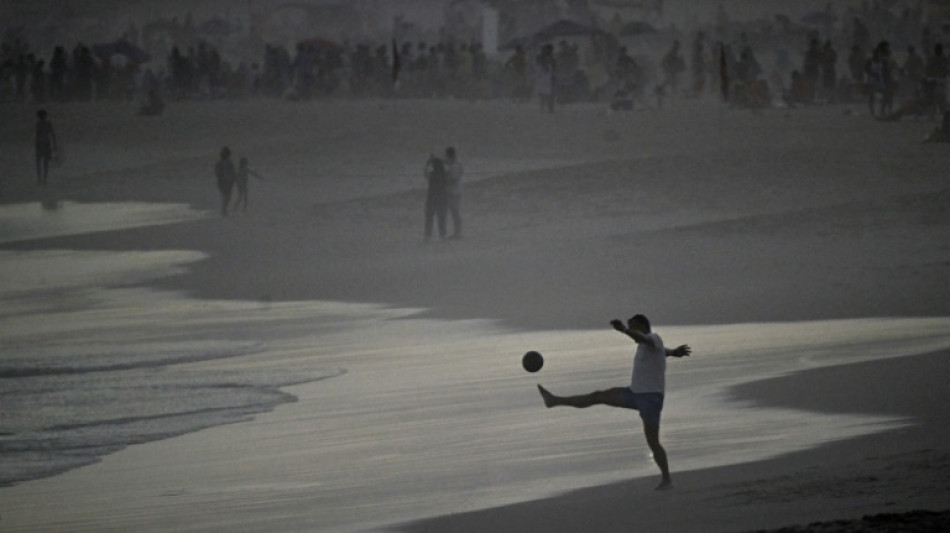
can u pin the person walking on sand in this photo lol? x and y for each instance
(645, 392)
(226, 175)
(46, 145)
(243, 172)
(436, 196)
(453, 169)
(545, 77)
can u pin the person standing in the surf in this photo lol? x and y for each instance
(226, 175)
(46, 145)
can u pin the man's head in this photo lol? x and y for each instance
(639, 323)
(450, 153)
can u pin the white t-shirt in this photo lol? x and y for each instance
(649, 367)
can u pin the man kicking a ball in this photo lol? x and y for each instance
(646, 389)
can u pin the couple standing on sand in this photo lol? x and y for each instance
(228, 177)
(443, 195)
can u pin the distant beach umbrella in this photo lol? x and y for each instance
(820, 18)
(515, 43)
(637, 27)
(563, 28)
(123, 48)
(558, 30)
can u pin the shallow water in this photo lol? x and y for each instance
(391, 417)
(53, 217)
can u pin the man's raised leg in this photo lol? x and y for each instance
(612, 397)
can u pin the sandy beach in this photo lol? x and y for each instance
(802, 253)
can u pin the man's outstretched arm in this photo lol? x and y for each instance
(680, 351)
(638, 337)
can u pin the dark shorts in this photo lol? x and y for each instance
(650, 404)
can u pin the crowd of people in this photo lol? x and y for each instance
(313, 69)
(903, 72)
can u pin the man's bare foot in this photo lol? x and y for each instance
(547, 396)
(666, 484)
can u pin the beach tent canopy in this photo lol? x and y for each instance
(820, 18)
(636, 27)
(121, 47)
(563, 28)
(559, 30)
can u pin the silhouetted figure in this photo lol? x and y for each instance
(800, 92)
(453, 170)
(628, 72)
(517, 68)
(880, 79)
(226, 175)
(912, 73)
(856, 63)
(546, 77)
(812, 64)
(436, 196)
(154, 104)
(243, 172)
(673, 65)
(21, 71)
(698, 63)
(45, 145)
(644, 393)
(57, 75)
(622, 99)
(941, 134)
(936, 72)
(829, 70)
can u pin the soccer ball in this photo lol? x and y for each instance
(532, 361)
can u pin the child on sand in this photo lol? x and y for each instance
(243, 172)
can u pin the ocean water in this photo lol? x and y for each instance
(86, 371)
(53, 217)
(332, 416)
